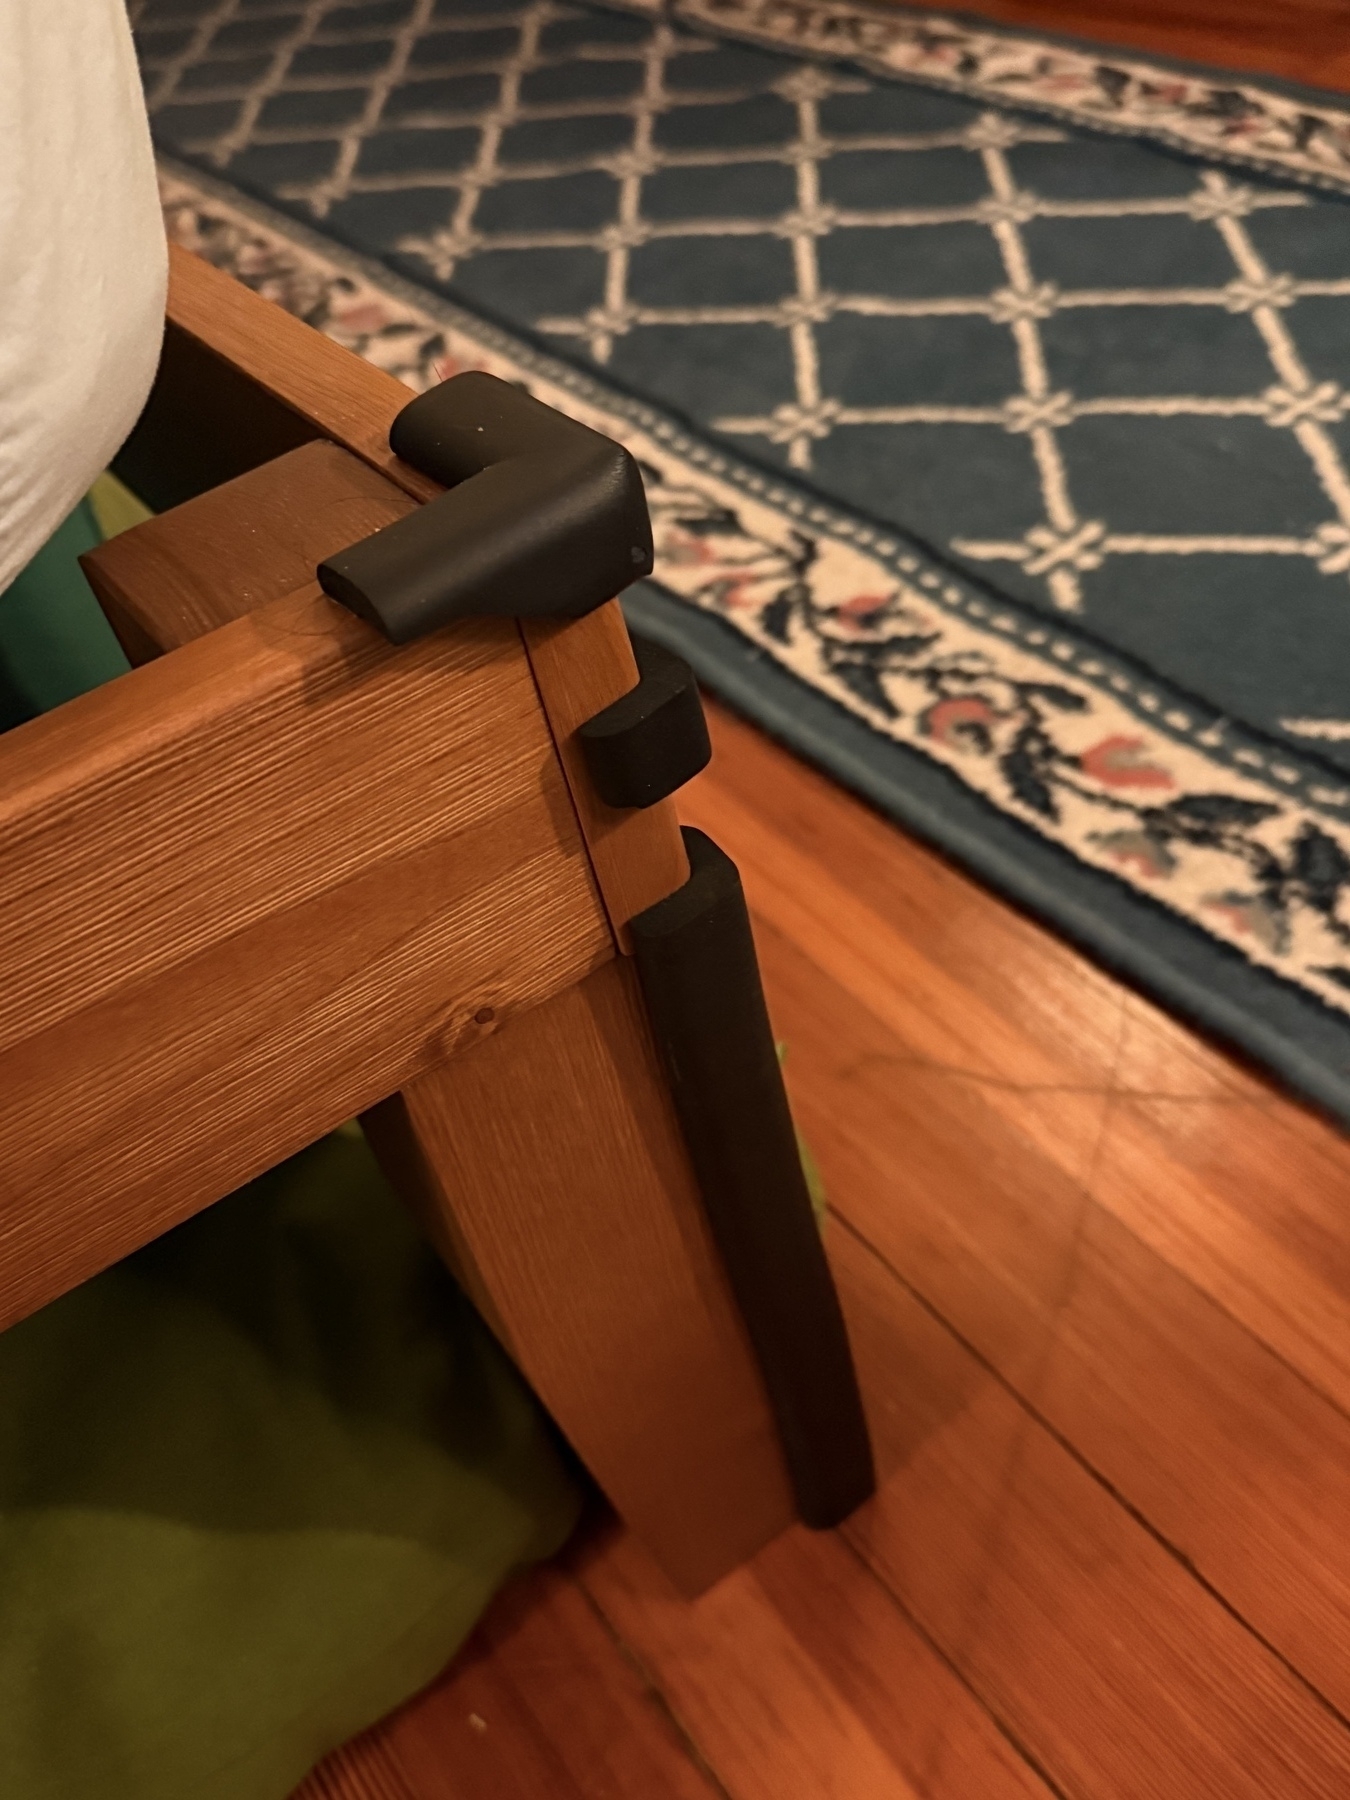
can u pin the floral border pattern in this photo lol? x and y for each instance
(1228, 119)
(1095, 763)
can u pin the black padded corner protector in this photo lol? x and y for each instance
(651, 740)
(696, 962)
(543, 518)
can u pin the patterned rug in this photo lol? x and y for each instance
(991, 394)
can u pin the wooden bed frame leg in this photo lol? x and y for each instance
(547, 1165)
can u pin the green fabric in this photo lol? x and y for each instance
(256, 1484)
(54, 641)
(115, 507)
(258, 1481)
(815, 1186)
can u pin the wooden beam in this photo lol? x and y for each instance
(248, 890)
(580, 668)
(335, 394)
(224, 554)
(543, 1157)
(548, 1166)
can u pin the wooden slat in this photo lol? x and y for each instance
(249, 889)
(562, 1196)
(552, 1174)
(638, 858)
(243, 544)
(1088, 1639)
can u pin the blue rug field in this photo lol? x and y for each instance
(992, 392)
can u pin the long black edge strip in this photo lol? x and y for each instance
(700, 978)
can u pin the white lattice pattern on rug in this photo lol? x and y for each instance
(254, 52)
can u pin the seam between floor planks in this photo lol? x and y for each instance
(1317, 1414)
(964, 1635)
(1093, 1650)
(1103, 1481)
(674, 1723)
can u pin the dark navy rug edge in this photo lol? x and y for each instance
(1303, 1042)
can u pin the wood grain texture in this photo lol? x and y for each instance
(364, 1769)
(580, 666)
(799, 1675)
(1089, 1640)
(390, 850)
(1303, 40)
(563, 1197)
(224, 554)
(334, 393)
(542, 1703)
(553, 1175)
(936, 1040)
(1096, 1273)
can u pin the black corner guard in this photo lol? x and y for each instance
(651, 740)
(543, 518)
(700, 979)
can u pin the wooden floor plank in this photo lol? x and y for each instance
(542, 1704)
(1229, 1451)
(1086, 1637)
(1252, 1201)
(800, 1679)
(968, 989)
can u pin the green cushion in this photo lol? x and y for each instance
(257, 1481)
(54, 641)
(256, 1484)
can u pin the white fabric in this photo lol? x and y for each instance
(82, 259)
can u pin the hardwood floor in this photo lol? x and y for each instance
(1098, 1278)
(1303, 40)
(1097, 1273)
